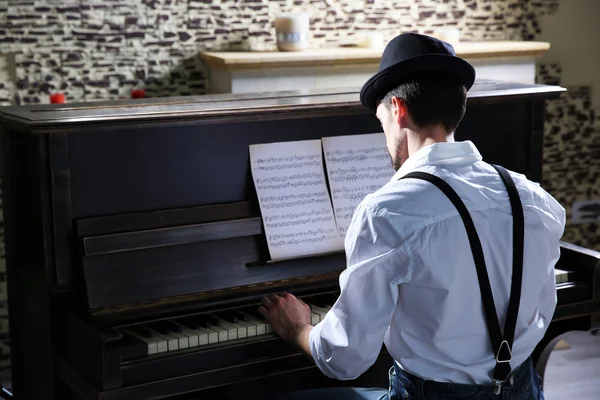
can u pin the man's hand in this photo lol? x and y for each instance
(289, 317)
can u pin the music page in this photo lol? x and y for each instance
(296, 208)
(357, 165)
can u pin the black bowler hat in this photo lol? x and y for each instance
(411, 53)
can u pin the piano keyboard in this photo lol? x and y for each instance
(561, 276)
(205, 329)
(225, 326)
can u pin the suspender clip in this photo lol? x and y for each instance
(497, 387)
(506, 355)
(498, 384)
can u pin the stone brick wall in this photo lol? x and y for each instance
(571, 166)
(101, 49)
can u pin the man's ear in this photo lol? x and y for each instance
(399, 110)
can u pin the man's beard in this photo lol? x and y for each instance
(396, 162)
(396, 159)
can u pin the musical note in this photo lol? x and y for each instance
(357, 165)
(292, 192)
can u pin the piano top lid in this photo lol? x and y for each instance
(47, 118)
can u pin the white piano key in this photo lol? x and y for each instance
(561, 276)
(182, 340)
(162, 344)
(250, 328)
(201, 338)
(261, 326)
(321, 311)
(261, 320)
(232, 330)
(151, 342)
(205, 335)
(223, 333)
(242, 330)
(193, 337)
(314, 318)
(172, 342)
(212, 335)
(192, 334)
(197, 337)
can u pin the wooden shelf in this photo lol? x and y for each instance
(352, 55)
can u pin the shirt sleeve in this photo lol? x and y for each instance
(348, 340)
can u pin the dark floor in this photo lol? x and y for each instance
(574, 373)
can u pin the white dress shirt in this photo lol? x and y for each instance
(411, 281)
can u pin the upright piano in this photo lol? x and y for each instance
(136, 254)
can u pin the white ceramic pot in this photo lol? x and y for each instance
(292, 32)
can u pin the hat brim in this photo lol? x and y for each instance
(389, 78)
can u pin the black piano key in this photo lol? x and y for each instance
(331, 299)
(318, 301)
(234, 316)
(242, 316)
(190, 322)
(142, 331)
(199, 322)
(228, 316)
(160, 327)
(324, 301)
(212, 320)
(204, 320)
(174, 327)
(222, 316)
(253, 311)
(204, 323)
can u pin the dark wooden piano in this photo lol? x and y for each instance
(135, 246)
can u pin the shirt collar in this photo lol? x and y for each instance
(444, 153)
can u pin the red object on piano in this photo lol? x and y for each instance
(138, 93)
(57, 98)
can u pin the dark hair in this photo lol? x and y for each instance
(432, 99)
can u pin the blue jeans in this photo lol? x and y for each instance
(525, 384)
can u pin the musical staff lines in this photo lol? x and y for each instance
(357, 165)
(296, 207)
(353, 174)
(359, 155)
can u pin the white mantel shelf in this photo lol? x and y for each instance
(237, 72)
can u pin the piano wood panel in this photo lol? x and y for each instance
(212, 162)
(166, 272)
(171, 236)
(30, 261)
(158, 169)
(165, 218)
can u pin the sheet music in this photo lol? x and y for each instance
(356, 166)
(296, 208)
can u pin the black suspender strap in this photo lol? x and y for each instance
(501, 343)
(502, 370)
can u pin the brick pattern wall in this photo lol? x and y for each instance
(571, 167)
(101, 49)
